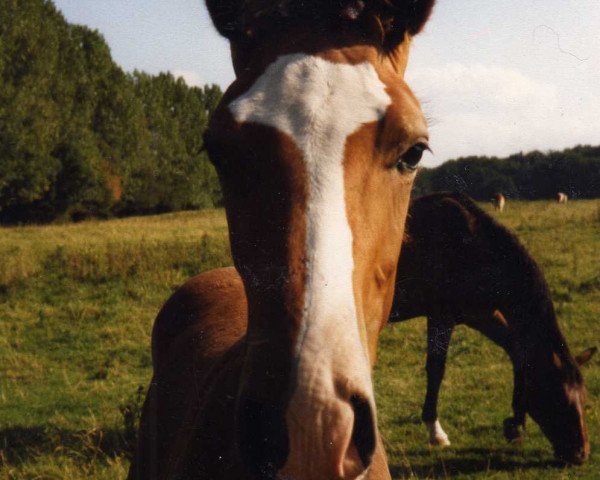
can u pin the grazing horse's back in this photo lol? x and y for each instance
(458, 256)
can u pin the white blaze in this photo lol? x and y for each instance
(318, 104)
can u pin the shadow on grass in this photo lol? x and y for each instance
(470, 461)
(404, 420)
(20, 444)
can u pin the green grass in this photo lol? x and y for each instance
(77, 304)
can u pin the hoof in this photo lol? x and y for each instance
(513, 432)
(440, 441)
(437, 436)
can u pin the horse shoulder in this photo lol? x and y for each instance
(208, 312)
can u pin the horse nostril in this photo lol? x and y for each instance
(363, 433)
(262, 436)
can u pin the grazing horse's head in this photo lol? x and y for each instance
(316, 144)
(556, 401)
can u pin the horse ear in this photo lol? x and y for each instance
(585, 356)
(406, 17)
(418, 12)
(225, 15)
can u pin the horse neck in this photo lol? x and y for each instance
(542, 337)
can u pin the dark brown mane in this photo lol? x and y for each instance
(528, 289)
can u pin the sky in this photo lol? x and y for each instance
(494, 77)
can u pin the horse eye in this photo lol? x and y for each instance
(411, 158)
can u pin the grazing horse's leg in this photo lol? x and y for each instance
(496, 328)
(438, 340)
(513, 427)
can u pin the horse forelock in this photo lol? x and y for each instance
(395, 18)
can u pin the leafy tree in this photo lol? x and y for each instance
(176, 117)
(534, 175)
(79, 137)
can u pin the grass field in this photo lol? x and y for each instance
(77, 304)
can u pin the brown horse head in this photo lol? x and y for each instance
(556, 399)
(316, 144)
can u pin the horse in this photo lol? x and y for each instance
(498, 201)
(562, 197)
(460, 266)
(316, 145)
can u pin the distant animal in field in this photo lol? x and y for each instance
(499, 201)
(562, 197)
(460, 266)
(316, 145)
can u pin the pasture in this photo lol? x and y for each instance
(77, 304)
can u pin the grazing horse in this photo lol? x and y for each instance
(316, 144)
(498, 201)
(459, 265)
(562, 197)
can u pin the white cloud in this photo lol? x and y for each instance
(492, 110)
(480, 86)
(191, 78)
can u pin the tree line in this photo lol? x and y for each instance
(79, 137)
(528, 176)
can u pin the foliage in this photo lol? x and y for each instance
(77, 303)
(79, 137)
(531, 176)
